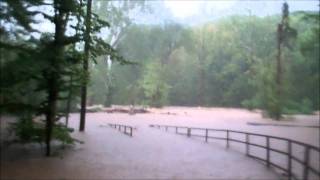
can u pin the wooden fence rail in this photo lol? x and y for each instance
(288, 170)
(123, 128)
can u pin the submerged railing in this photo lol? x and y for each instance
(123, 128)
(290, 172)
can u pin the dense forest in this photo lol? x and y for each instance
(41, 71)
(227, 63)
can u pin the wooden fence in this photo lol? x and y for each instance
(123, 128)
(307, 168)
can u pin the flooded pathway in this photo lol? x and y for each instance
(150, 153)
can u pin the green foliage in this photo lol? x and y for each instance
(117, 13)
(38, 70)
(154, 87)
(62, 133)
(304, 107)
(27, 130)
(250, 104)
(233, 58)
(101, 84)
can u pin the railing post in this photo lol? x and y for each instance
(268, 152)
(188, 132)
(289, 159)
(123, 129)
(176, 130)
(227, 138)
(206, 135)
(166, 128)
(306, 162)
(247, 144)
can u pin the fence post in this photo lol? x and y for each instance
(176, 130)
(247, 144)
(268, 152)
(166, 128)
(131, 131)
(206, 135)
(125, 129)
(306, 162)
(188, 132)
(227, 138)
(289, 159)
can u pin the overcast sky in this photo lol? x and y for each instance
(193, 12)
(187, 8)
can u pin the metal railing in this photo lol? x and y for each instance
(291, 157)
(123, 128)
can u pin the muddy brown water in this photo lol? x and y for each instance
(155, 154)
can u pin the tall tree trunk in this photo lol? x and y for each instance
(201, 70)
(69, 100)
(60, 18)
(85, 67)
(51, 113)
(279, 73)
(201, 101)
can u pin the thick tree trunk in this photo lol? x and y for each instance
(85, 67)
(51, 113)
(83, 104)
(54, 72)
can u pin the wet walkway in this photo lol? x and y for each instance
(150, 153)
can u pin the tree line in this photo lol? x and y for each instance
(270, 63)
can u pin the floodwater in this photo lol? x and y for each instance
(156, 154)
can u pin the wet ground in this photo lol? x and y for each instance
(152, 153)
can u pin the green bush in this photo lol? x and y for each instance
(62, 134)
(304, 107)
(26, 130)
(250, 104)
